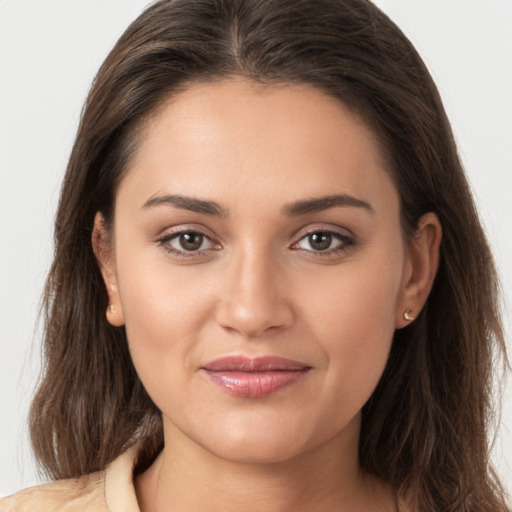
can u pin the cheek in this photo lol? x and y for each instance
(156, 294)
(164, 311)
(353, 319)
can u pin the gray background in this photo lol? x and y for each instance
(49, 53)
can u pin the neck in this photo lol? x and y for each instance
(187, 477)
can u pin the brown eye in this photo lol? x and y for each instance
(191, 241)
(320, 241)
(328, 242)
(186, 243)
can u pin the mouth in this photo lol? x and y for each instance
(254, 377)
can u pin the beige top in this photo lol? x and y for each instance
(106, 491)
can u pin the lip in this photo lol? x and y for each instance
(248, 377)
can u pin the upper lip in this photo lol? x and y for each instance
(253, 364)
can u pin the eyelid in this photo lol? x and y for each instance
(322, 226)
(347, 239)
(166, 236)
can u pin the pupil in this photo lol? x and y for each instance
(191, 241)
(320, 241)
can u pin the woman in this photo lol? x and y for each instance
(271, 290)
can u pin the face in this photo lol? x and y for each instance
(259, 268)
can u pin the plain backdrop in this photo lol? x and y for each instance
(49, 52)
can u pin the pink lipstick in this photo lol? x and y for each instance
(254, 377)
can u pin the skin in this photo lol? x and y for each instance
(259, 286)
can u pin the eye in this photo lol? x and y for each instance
(323, 241)
(190, 241)
(187, 243)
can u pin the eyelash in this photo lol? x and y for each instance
(346, 243)
(165, 240)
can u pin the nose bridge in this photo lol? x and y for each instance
(253, 299)
(254, 280)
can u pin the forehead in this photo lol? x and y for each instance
(234, 137)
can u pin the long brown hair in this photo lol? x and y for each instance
(425, 429)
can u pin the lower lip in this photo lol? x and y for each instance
(254, 384)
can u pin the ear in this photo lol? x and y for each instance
(104, 256)
(420, 269)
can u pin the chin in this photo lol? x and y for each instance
(258, 442)
(256, 451)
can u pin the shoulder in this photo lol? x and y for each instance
(111, 490)
(85, 494)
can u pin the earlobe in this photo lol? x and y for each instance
(115, 316)
(103, 252)
(422, 262)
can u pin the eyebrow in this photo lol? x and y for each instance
(318, 204)
(297, 208)
(186, 203)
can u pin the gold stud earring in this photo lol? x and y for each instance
(111, 309)
(408, 316)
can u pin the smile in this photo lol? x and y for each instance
(254, 378)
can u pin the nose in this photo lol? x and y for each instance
(253, 299)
